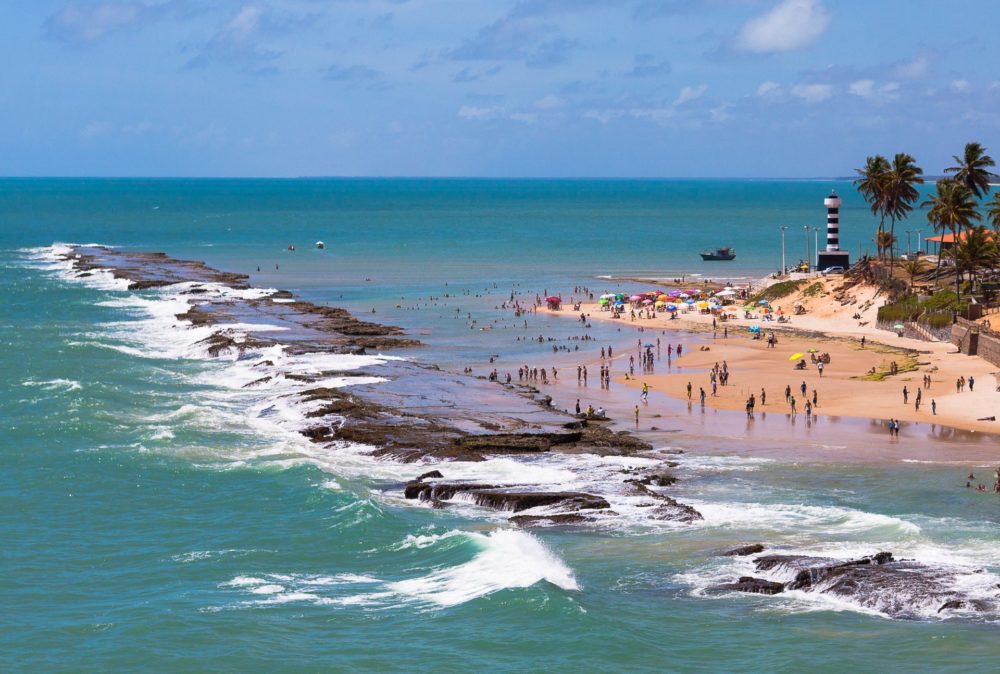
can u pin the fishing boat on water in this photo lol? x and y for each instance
(719, 254)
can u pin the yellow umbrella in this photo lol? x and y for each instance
(795, 356)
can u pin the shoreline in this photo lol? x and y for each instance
(843, 390)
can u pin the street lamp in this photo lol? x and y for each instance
(807, 228)
(783, 267)
(908, 243)
(816, 247)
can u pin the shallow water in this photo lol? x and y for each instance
(158, 515)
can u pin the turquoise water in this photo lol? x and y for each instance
(157, 516)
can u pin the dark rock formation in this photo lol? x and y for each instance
(754, 586)
(502, 497)
(745, 550)
(899, 588)
(554, 520)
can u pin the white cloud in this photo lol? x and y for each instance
(812, 93)
(657, 115)
(473, 112)
(548, 102)
(960, 86)
(915, 68)
(81, 24)
(690, 93)
(768, 89)
(791, 24)
(862, 88)
(602, 116)
(525, 117)
(94, 130)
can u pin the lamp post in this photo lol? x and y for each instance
(919, 243)
(783, 267)
(816, 247)
(807, 228)
(908, 243)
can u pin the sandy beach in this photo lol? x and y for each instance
(845, 387)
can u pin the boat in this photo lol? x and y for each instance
(719, 254)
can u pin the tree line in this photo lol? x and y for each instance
(890, 190)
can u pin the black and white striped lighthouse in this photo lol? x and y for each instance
(832, 204)
(832, 257)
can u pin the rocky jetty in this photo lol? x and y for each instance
(416, 412)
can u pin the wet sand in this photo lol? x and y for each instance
(844, 429)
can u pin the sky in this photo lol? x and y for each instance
(493, 88)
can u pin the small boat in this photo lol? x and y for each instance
(719, 254)
(320, 245)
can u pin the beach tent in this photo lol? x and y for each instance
(725, 293)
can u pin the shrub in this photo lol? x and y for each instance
(778, 290)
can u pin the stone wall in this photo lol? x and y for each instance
(974, 340)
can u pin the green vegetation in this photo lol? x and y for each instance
(904, 363)
(935, 310)
(813, 290)
(777, 291)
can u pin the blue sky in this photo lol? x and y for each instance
(664, 88)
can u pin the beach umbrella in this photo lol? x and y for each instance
(725, 293)
(647, 301)
(608, 296)
(795, 356)
(650, 346)
(660, 303)
(688, 302)
(899, 326)
(675, 293)
(553, 298)
(754, 328)
(604, 300)
(683, 296)
(635, 298)
(671, 307)
(762, 302)
(813, 351)
(663, 298)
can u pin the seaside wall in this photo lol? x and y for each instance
(974, 340)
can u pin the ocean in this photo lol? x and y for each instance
(159, 516)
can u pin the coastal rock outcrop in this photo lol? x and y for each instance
(744, 550)
(880, 582)
(508, 498)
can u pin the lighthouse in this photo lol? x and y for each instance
(832, 256)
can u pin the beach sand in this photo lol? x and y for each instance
(842, 390)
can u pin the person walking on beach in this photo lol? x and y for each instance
(819, 368)
(791, 403)
(636, 415)
(578, 407)
(972, 382)
(645, 392)
(701, 395)
(809, 409)
(918, 398)
(714, 388)
(803, 389)
(815, 398)
(862, 341)
(933, 407)
(689, 390)
(788, 392)
(584, 375)
(906, 394)
(763, 397)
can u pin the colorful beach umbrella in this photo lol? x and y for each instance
(795, 356)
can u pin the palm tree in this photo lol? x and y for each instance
(871, 182)
(975, 250)
(884, 241)
(900, 193)
(993, 210)
(973, 169)
(913, 267)
(952, 208)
